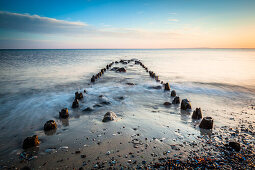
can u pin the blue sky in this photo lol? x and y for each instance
(127, 24)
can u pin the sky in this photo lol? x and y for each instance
(126, 24)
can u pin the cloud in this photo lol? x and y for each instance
(54, 33)
(38, 24)
(173, 20)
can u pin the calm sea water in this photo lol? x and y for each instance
(36, 84)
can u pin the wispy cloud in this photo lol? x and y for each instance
(54, 33)
(173, 20)
(44, 25)
(37, 24)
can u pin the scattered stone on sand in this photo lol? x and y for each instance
(235, 145)
(64, 113)
(167, 87)
(50, 125)
(185, 105)
(176, 100)
(109, 116)
(31, 142)
(173, 93)
(197, 114)
(75, 103)
(167, 104)
(78, 95)
(206, 123)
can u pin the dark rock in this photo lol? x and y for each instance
(107, 67)
(50, 125)
(167, 87)
(97, 105)
(114, 68)
(130, 84)
(106, 102)
(109, 116)
(137, 62)
(93, 79)
(88, 109)
(31, 142)
(122, 69)
(102, 71)
(83, 156)
(155, 87)
(167, 104)
(75, 103)
(25, 168)
(185, 104)
(235, 145)
(197, 114)
(84, 91)
(121, 98)
(206, 123)
(64, 113)
(173, 93)
(176, 100)
(78, 95)
(152, 74)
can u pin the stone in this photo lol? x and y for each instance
(31, 142)
(109, 116)
(173, 93)
(75, 103)
(185, 104)
(167, 104)
(206, 123)
(114, 68)
(197, 114)
(176, 100)
(93, 79)
(156, 87)
(50, 125)
(64, 113)
(88, 109)
(78, 95)
(122, 69)
(167, 87)
(102, 71)
(130, 84)
(235, 145)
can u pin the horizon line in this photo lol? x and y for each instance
(114, 48)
